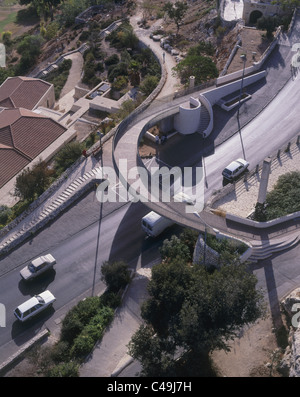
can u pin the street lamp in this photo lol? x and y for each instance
(243, 57)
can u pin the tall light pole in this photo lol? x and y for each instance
(243, 57)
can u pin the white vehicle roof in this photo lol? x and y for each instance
(152, 216)
(234, 164)
(28, 304)
(46, 258)
(47, 297)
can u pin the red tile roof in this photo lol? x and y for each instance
(23, 136)
(22, 92)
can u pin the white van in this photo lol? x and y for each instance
(34, 306)
(154, 224)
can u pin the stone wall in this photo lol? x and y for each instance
(201, 250)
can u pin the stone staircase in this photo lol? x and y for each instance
(264, 249)
(204, 119)
(51, 207)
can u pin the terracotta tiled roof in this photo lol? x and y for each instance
(22, 92)
(23, 136)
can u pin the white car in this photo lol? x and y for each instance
(37, 267)
(34, 306)
(183, 198)
(234, 169)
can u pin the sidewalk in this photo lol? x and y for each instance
(110, 354)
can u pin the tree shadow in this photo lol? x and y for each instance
(27, 17)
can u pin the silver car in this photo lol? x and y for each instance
(234, 169)
(37, 266)
(34, 306)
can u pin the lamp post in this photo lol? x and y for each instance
(243, 57)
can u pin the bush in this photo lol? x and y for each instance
(71, 327)
(31, 183)
(112, 60)
(64, 370)
(84, 35)
(59, 77)
(116, 275)
(110, 299)
(83, 345)
(120, 83)
(284, 198)
(19, 208)
(149, 84)
(121, 69)
(228, 249)
(6, 38)
(67, 156)
(93, 331)
(5, 214)
(174, 249)
(60, 352)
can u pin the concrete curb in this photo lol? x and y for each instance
(5, 366)
(126, 360)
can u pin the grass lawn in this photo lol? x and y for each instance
(16, 18)
(7, 18)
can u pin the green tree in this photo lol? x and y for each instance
(6, 38)
(31, 183)
(289, 4)
(193, 310)
(176, 12)
(149, 84)
(43, 7)
(116, 275)
(5, 214)
(30, 44)
(67, 156)
(5, 73)
(269, 23)
(202, 67)
(69, 10)
(174, 249)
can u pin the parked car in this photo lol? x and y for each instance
(34, 306)
(234, 169)
(38, 266)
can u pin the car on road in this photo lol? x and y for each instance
(234, 169)
(37, 267)
(34, 306)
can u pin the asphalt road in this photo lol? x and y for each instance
(79, 258)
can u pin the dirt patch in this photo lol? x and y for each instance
(254, 44)
(147, 149)
(253, 354)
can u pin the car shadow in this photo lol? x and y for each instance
(23, 332)
(37, 285)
